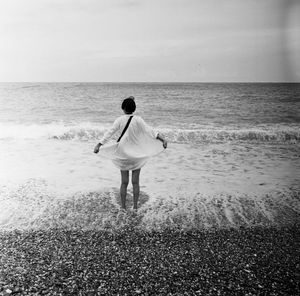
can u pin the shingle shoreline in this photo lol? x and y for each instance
(244, 261)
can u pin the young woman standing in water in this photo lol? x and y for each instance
(136, 144)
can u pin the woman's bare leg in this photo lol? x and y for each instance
(123, 189)
(136, 187)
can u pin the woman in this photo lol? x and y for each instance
(136, 144)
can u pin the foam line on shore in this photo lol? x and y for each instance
(32, 207)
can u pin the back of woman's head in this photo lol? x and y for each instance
(128, 105)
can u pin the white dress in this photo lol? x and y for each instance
(137, 145)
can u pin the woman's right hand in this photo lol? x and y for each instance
(97, 147)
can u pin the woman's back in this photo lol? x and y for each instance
(137, 144)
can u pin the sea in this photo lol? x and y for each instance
(233, 156)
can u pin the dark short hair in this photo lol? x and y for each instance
(129, 105)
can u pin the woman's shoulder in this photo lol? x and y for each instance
(121, 117)
(119, 120)
(138, 117)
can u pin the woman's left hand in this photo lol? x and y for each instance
(165, 144)
(97, 147)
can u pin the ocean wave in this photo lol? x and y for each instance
(221, 135)
(90, 131)
(197, 136)
(31, 206)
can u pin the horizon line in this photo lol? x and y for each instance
(154, 82)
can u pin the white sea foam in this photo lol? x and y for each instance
(82, 131)
(32, 206)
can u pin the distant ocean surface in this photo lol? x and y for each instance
(233, 157)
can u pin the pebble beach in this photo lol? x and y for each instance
(245, 261)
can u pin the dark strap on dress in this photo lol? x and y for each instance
(125, 128)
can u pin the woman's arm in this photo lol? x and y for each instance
(154, 133)
(97, 147)
(107, 135)
(148, 129)
(163, 140)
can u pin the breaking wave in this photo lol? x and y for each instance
(221, 135)
(89, 131)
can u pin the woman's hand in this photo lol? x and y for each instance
(97, 147)
(163, 140)
(165, 144)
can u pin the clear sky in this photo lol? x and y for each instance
(150, 40)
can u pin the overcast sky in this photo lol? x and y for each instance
(150, 40)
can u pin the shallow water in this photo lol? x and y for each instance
(233, 155)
